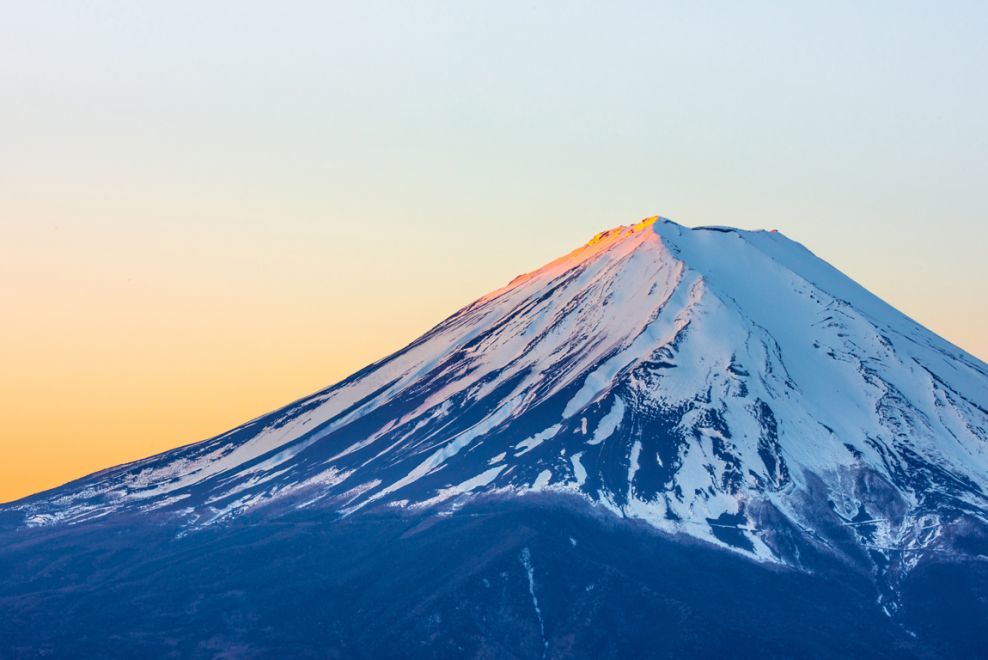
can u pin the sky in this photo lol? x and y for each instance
(209, 209)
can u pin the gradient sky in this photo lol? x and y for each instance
(208, 209)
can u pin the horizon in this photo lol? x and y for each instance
(205, 219)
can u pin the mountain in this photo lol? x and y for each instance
(670, 441)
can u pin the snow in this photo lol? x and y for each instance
(479, 481)
(579, 472)
(636, 450)
(671, 319)
(545, 476)
(526, 561)
(608, 423)
(528, 444)
(450, 449)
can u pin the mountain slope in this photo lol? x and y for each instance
(718, 385)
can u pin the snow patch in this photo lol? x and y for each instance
(579, 472)
(609, 422)
(528, 444)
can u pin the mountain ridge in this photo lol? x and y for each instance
(652, 312)
(708, 392)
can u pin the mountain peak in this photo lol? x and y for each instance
(623, 231)
(708, 381)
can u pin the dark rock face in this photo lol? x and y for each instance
(529, 578)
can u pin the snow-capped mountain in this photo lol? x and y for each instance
(716, 384)
(705, 380)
